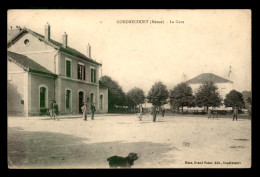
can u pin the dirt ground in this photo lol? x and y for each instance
(171, 142)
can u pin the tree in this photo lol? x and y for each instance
(158, 94)
(135, 97)
(207, 95)
(249, 100)
(116, 96)
(130, 103)
(182, 96)
(247, 96)
(234, 98)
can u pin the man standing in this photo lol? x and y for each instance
(209, 113)
(84, 111)
(54, 107)
(51, 109)
(140, 112)
(157, 110)
(163, 111)
(154, 112)
(93, 109)
(235, 112)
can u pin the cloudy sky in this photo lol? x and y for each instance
(140, 54)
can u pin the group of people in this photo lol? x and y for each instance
(84, 111)
(54, 111)
(154, 112)
(235, 113)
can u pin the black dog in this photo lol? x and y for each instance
(116, 161)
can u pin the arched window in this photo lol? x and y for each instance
(68, 98)
(81, 99)
(43, 96)
(101, 102)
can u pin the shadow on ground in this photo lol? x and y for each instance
(30, 149)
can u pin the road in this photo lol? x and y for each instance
(171, 142)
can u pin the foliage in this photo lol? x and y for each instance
(249, 100)
(135, 96)
(207, 95)
(234, 98)
(247, 96)
(182, 96)
(116, 96)
(158, 94)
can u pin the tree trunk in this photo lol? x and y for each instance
(182, 109)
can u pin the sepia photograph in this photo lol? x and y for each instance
(129, 89)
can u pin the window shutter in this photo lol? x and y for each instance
(94, 75)
(67, 98)
(68, 68)
(78, 71)
(91, 75)
(84, 73)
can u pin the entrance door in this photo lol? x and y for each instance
(81, 100)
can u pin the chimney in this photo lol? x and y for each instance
(64, 40)
(89, 51)
(47, 31)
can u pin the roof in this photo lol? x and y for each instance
(52, 43)
(27, 63)
(205, 77)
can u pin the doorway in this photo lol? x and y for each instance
(81, 100)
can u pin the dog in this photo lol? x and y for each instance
(117, 161)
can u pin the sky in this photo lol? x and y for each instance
(138, 55)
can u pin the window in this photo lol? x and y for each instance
(26, 42)
(93, 75)
(42, 97)
(68, 68)
(101, 102)
(68, 95)
(81, 72)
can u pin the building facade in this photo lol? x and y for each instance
(41, 69)
(224, 85)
